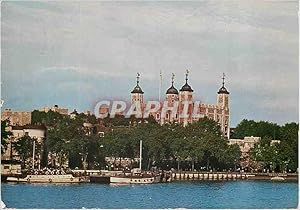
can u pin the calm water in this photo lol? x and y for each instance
(202, 194)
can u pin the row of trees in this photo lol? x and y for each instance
(281, 156)
(77, 141)
(174, 146)
(192, 147)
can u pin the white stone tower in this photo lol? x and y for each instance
(172, 97)
(186, 97)
(223, 103)
(137, 94)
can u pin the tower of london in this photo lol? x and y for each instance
(184, 102)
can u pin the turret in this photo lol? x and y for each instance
(223, 104)
(185, 101)
(172, 98)
(172, 92)
(223, 95)
(137, 94)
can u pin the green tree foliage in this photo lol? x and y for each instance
(275, 156)
(282, 156)
(75, 140)
(24, 147)
(196, 145)
(45, 118)
(253, 128)
(5, 134)
(199, 142)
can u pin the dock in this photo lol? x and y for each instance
(188, 175)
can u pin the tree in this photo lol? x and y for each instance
(5, 134)
(252, 128)
(24, 147)
(46, 118)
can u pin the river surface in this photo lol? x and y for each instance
(200, 194)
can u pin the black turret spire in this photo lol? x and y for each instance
(137, 88)
(186, 86)
(172, 89)
(173, 76)
(138, 78)
(223, 90)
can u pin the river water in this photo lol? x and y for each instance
(200, 194)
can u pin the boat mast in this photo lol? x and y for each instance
(141, 143)
(33, 154)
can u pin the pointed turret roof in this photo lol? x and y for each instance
(186, 86)
(172, 89)
(223, 89)
(137, 88)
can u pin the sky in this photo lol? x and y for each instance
(76, 53)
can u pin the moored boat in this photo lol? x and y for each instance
(67, 178)
(277, 178)
(135, 177)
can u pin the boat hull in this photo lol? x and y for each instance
(133, 180)
(68, 178)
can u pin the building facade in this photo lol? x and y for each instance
(16, 118)
(185, 103)
(36, 132)
(56, 108)
(245, 146)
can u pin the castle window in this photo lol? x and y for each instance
(167, 116)
(157, 116)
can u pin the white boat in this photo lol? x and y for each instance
(134, 180)
(136, 176)
(277, 178)
(67, 178)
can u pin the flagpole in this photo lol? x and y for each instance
(141, 148)
(160, 84)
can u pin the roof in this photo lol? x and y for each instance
(223, 90)
(186, 87)
(137, 89)
(172, 90)
(38, 127)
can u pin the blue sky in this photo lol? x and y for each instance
(74, 54)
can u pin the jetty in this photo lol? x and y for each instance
(189, 176)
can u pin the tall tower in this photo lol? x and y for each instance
(186, 98)
(137, 94)
(223, 95)
(172, 97)
(223, 104)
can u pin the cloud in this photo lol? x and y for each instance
(78, 52)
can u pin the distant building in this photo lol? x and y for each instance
(56, 108)
(275, 142)
(74, 114)
(218, 112)
(245, 145)
(16, 118)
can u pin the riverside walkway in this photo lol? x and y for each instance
(197, 175)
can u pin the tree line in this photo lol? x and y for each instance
(196, 146)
